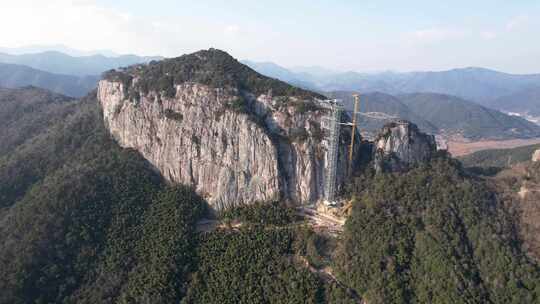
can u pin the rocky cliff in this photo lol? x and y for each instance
(401, 144)
(207, 121)
(536, 156)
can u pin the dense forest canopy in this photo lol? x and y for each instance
(433, 235)
(81, 219)
(499, 158)
(84, 221)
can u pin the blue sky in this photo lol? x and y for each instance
(343, 34)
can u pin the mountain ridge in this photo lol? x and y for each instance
(61, 63)
(481, 85)
(453, 115)
(13, 76)
(526, 101)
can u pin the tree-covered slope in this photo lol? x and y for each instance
(499, 158)
(524, 101)
(433, 235)
(84, 221)
(453, 115)
(270, 258)
(29, 111)
(251, 266)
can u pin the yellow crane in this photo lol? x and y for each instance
(353, 130)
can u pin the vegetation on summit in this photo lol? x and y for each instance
(211, 67)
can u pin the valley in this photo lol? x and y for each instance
(458, 147)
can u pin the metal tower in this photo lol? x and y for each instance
(333, 150)
(334, 127)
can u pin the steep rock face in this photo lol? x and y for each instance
(298, 138)
(400, 145)
(536, 156)
(208, 121)
(232, 145)
(224, 155)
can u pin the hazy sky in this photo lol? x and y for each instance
(341, 34)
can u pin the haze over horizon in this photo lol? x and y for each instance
(340, 35)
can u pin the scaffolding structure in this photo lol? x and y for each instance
(334, 131)
(334, 128)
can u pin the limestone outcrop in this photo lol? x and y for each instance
(400, 145)
(536, 156)
(231, 144)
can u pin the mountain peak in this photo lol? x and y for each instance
(212, 67)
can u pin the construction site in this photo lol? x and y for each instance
(329, 215)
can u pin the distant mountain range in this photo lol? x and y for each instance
(59, 72)
(438, 114)
(455, 116)
(525, 101)
(60, 63)
(381, 103)
(38, 48)
(434, 109)
(15, 76)
(487, 87)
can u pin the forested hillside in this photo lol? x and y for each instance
(78, 215)
(85, 221)
(499, 158)
(453, 115)
(29, 111)
(433, 235)
(525, 101)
